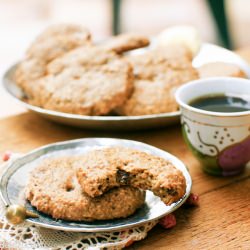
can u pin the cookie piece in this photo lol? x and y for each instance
(151, 97)
(53, 189)
(58, 40)
(27, 73)
(103, 169)
(88, 80)
(220, 69)
(126, 42)
(52, 43)
(158, 73)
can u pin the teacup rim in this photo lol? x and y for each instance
(205, 112)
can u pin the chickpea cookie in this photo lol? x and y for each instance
(125, 42)
(53, 189)
(157, 74)
(103, 169)
(53, 42)
(64, 72)
(88, 81)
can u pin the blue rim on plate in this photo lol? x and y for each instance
(16, 174)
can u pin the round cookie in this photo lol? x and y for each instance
(27, 74)
(57, 40)
(50, 44)
(53, 189)
(157, 75)
(88, 80)
(125, 42)
(150, 98)
(103, 169)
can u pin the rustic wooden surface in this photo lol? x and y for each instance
(220, 222)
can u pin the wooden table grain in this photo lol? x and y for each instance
(222, 220)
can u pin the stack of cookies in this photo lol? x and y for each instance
(63, 70)
(102, 184)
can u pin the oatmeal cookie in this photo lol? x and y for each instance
(220, 69)
(52, 43)
(157, 75)
(53, 189)
(88, 80)
(58, 40)
(126, 42)
(27, 74)
(103, 169)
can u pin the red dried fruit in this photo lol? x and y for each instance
(192, 200)
(168, 221)
(129, 243)
(6, 156)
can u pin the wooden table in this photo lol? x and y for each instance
(222, 221)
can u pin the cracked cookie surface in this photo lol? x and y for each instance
(52, 43)
(157, 74)
(57, 40)
(53, 189)
(126, 42)
(87, 80)
(102, 169)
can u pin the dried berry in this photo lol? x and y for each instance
(192, 200)
(122, 177)
(172, 192)
(168, 221)
(6, 156)
(129, 243)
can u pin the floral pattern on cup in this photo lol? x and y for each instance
(222, 150)
(219, 140)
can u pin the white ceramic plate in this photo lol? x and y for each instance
(208, 53)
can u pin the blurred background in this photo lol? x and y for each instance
(224, 22)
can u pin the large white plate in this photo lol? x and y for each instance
(208, 53)
(15, 178)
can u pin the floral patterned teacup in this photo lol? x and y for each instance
(221, 141)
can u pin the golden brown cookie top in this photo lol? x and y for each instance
(103, 169)
(65, 29)
(158, 73)
(88, 80)
(53, 42)
(53, 189)
(149, 98)
(58, 40)
(125, 42)
(156, 62)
